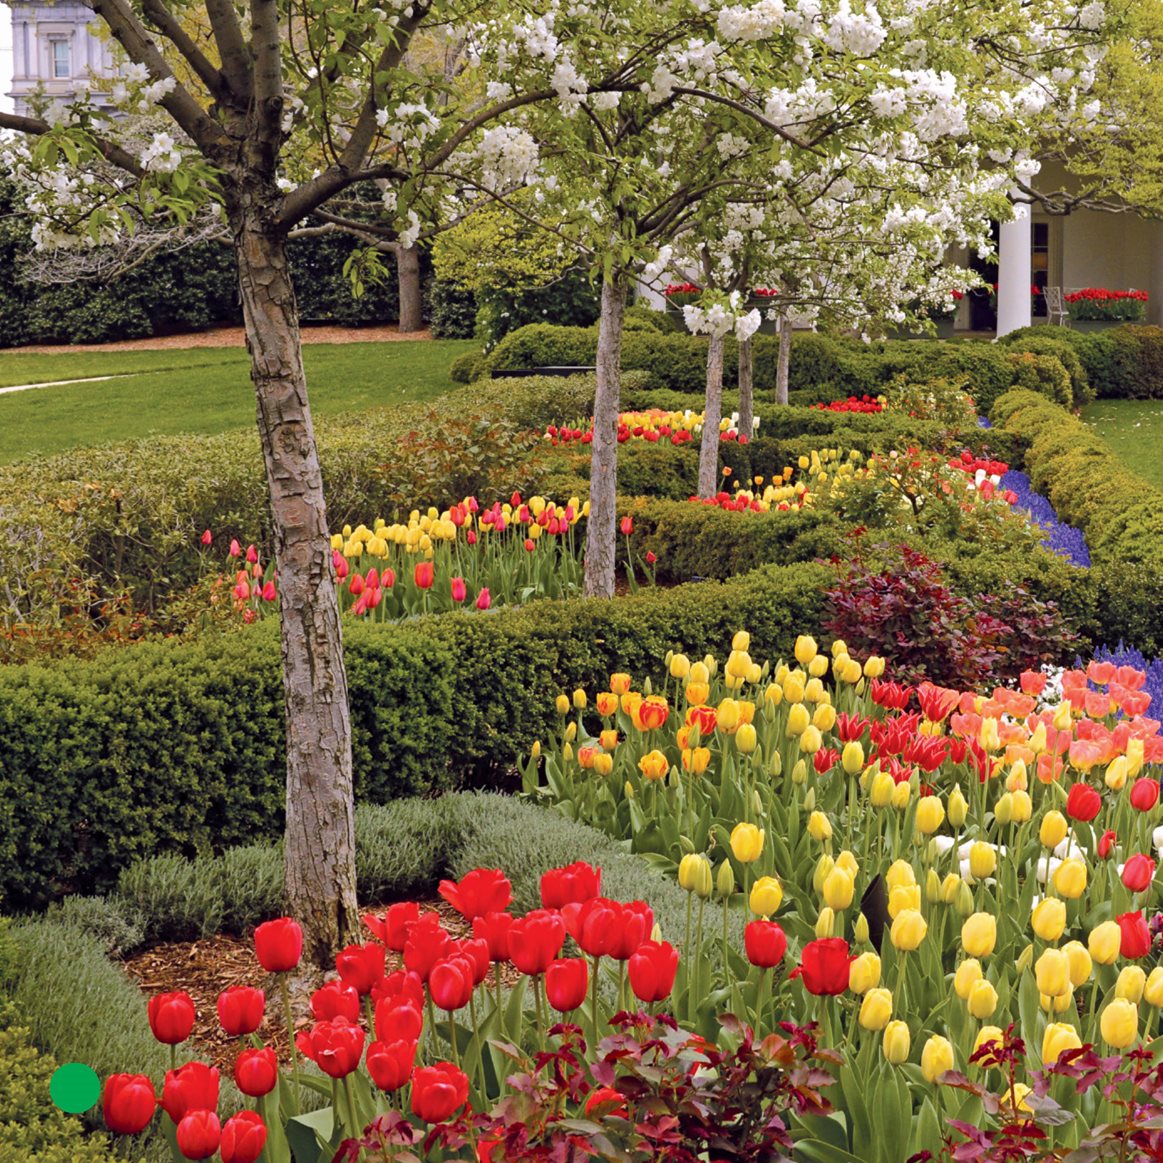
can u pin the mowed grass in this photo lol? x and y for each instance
(200, 390)
(1134, 429)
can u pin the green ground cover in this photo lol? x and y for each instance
(202, 391)
(1134, 429)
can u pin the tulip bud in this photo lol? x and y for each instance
(566, 752)
(932, 886)
(968, 974)
(964, 903)
(936, 1058)
(694, 874)
(1153, 989)
(799, 773)
(1131, 982)
(860, 930)
(604, 765)
(570, 731)
(1023, 807)
(725, 879)
(1070, 879)
(819, 827)
(746, 739)
(875, 1009)
(1119, 1023)
(1003, 810)
(896, 1042)
(627, 787)
(809, 799)
(1062, 717)
(562, 704)
(1052, 972)
(1116, 773)
(1053, 829)
(908, 930)
(825, 923)
(1058, 1038)
(982, 1000)
(1049, 922)
(766, 896)
(838, 889)
(1016, 780)
(930, 814)
(1104, 943)
(979, 935)
(881, 789)
(864, 973)
(958, 808)
(950, 887)
(823, 870)
(982, 860)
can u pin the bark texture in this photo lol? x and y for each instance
(408, 280)
(709, 447)
(602, 526)
(784, 360)
(320, 831)
(746, 390)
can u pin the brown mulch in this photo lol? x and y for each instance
(205, 968)
(228, 337)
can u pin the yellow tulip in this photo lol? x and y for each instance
(850, 672)
(823, 718)
(1153, 990)
(908, 930)
(838, 889)
(873, 666)
(699, 672)
(603, 763)
(860, 930)
(1053, 829)
(818, 667)
(982, 860)
(958, 807)
(988, 735)
(951, 888)
(1020, 1091)
(930, 814)
(903, 896)
(825, 923)
(847, 861)
(1119, 1023)
(852, 757)
(570, 731)
(798, 720)
(696, 760)
(881, 789)
(766, 896)
(1016, 780)
(839, 647)
(620, 683)
(936, 1058)
(727, 715)
(982, 1000)
(979, 935)
(1116, 773)
(1062, 717)
(562, 703)
(1070, 879)
(1049, 919)
(987, 1034)
(746, 739)
(900, 796)
(805, 649)
(741, 641)
(1104, 942)
(821, 872)
(608, 739)
(793, 687)
(811, 740)
(1079, 959)
(1052, 972)
(1131, 982)
(607, 703)
(899, 872)
(773, 694)
(747, 842)
(967, 976)
(697, 693)
(875, 1009)
(680, 666)
(1003, 810)
(896, 1042)
(819, 827)
(1058, 1038)
(864, 973)
(694, 874)
(654, 765)
(1023, 806)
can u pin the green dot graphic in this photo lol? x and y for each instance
(75, 1087)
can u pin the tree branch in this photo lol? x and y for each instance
(167, 24)
(266, 48)
(114, 154)
(236, 61)
(754, 114)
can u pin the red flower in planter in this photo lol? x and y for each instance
(256, 1071)
(335, 1046)
(481, 891)
(278, 944)
(243, 1138)
(535, 940)
(361, 966)
(240, 1009)
(128, 1102)
(824, 966)
(652, 970)
(390, 1063)
(566, 982)
(190, 1088)
(199, 1134)
(575, 882)
(171, 1017)
(439, 1091)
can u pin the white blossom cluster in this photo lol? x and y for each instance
(408, 126)
(161, 155)
(508, 157)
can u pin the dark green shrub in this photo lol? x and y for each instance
(452, 311)
(1052, 341)
(465, 368)
(1044, 374)
(571, 300)
(1137, 361)
(643, 318)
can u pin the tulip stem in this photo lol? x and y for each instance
(540, 1012)
(594, 1002)
(452, 1041)
(696, 956)
(173, 1056)
(726, 963)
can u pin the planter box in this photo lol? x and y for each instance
(1100, 324)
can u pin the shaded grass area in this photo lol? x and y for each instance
(200, 391)
(1134, 429)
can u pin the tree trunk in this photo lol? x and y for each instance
(713, 413)
(408, 279)
(784, 360)
(602, 527)
(320, 829)
(746, 391)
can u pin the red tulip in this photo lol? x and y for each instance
(1144, 794)
(652, 969)
(427, 943)
(651, 557)
(193, 1087)
(128, 1102)
(1138, 872)
(256, 1071)
(240, 1009)
(1106, 842)
(530, 544)
(398, 1019)
(566, 983)
(459, 589)
(355, 586)
(626, 525)
(243, 1138)
(235, 548)
(390, 1063)
(360, 966)
(535, 940)
(439, 1091)
(493, 929)
(336, 999)
(393, 927)
(484, 890)
(424, 575)
(207, 537)
(575, 882)
(335, 1046)
(403, 984)
(1083, 802)
(199, 1134)
(484, 601)
(279, 944)
(171, 1017)
(450, 983)
(765, 943)
(595, 924)
(636, 926)
(269, 593)
(1136, 937)
(251, 554)
(824, 966)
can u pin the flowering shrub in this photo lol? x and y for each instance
(653, 425)
(962, 880)
(944, 400)
(1100, 303)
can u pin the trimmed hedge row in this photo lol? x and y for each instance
(179, 747)
(1119, 512)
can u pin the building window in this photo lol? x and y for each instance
(1040, 264)
(61, 65)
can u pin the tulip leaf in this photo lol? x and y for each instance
(858, 1116)
(310, 1136)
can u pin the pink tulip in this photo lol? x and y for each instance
(459, 590)
(235, 548)
(251, 554)
(207, 537)
(269, 593)
(483, 599)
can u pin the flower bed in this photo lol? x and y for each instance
(1101, 303)
(652, 425)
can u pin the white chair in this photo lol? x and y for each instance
(1056, 313)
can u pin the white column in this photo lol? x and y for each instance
(1013, 273)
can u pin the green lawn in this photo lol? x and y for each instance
(202, 390)
(1134, 429)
